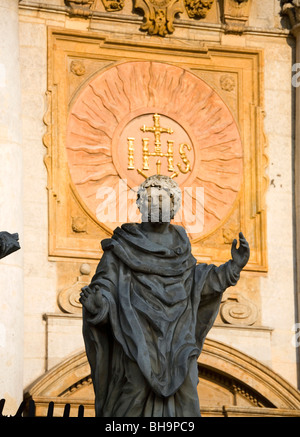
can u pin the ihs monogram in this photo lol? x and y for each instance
(157, 130)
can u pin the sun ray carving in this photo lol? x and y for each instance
(114, 106)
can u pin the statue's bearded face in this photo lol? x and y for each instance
(157, 206)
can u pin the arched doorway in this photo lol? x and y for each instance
(230, 384)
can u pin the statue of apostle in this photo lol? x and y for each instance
(148, 310)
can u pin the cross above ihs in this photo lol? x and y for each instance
(157, 130)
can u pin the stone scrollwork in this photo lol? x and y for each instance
(158, 15)
(68, 298)
(237, 310)
(198, 8)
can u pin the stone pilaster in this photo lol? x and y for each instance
(11, 216)
(292, 10)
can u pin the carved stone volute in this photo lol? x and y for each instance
(68, 298)
(237, 310)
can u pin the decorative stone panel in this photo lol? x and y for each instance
(104, 96)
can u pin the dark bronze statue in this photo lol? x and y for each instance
(148, 310)
(9, 243)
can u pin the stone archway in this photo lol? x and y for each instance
(230, 384)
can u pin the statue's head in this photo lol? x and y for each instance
(158, 199)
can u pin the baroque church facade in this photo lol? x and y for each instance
(96, 95)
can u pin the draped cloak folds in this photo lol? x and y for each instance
(157, 308)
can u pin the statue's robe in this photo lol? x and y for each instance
(158, 306)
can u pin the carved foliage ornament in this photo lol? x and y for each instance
(113, 5)
(236, 15)
(198, 8)
(80, 7)
(291, 8)
(158, 15)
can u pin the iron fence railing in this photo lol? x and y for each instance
(27, 409)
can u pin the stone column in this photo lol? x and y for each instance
(11, 214)
(291, 8)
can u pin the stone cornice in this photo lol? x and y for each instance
(180, 23)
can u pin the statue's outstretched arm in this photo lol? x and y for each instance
(228, 274)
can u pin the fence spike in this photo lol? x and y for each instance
(50, 409)
(67, 410)
(32, 409)
(2, 402)
(31, 412)
(20, 409)
(80, 411)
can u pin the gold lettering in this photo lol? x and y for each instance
(130, 142)
(184, 158)
(145, 153)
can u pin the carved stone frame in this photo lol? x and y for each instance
(235, 74)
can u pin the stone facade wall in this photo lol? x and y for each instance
(11, 220)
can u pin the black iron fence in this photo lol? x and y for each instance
(27, 409)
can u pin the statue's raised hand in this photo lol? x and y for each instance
(91, 299)
(241, 255)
